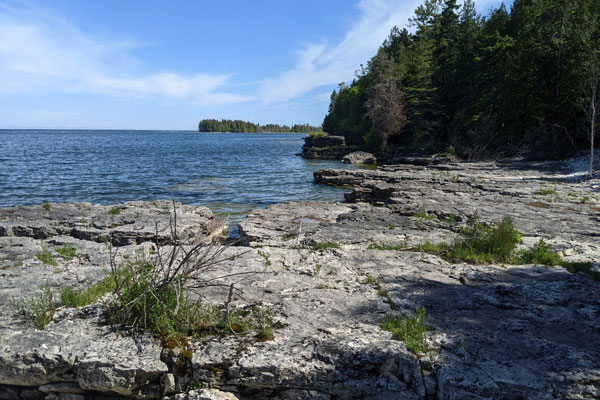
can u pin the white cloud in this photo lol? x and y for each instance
(50, 55)
(321, 64)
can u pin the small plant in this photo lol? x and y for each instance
(316, 134)
(72, 297)
(47, 206)
(409, 329)
(268, 262)
(371, 280)
(545, 192)
(539, 254)
(289, 236)
(115, 210)
(584, 199)
(318, 269)
(391, 227)
(325, 245)
(38, 310)
(376, 246)
(451, 220)
(46, 256)
(422, 213)
(67, 251)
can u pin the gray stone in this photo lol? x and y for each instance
(359, 157)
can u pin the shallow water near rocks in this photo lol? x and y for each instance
(230, 173)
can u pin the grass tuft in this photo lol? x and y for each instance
(46, 256)
(325, 245)
(38, 310)
(67, 251)
(408, 328)
(377, 246)
(115, 211)
(545, 192)
(47, 206)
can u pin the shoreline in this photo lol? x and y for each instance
(330, 273)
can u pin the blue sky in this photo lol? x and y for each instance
(141, 64)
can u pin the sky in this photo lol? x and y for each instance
(165, 65)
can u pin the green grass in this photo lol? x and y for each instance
(451, 219)
(72, 297)
(47, 206)
(289, 236)
(584, 200)
(46, 256)
(377, 246)
(115, 211)
(391, 227)
(371, 280)
(67, 251)
(545, 192)
(38, 310)
(479, 244)
(268, 262)
(316, 134)
(424, 214)
(325, 245)
(408, 328)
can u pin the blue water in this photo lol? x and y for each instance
(229, 173)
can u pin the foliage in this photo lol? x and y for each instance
(67, 250)
(408, 328)
(316, 134)
(325, 245)
(115, 211)
(477, 83)
(72, 297)
(479, 244)
(46, 256)
(227, 125)
(38, 310)
(47, 206)
(539, 254)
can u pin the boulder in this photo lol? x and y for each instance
(359, 157)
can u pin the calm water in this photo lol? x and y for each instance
(230, 173)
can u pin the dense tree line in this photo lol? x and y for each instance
(227, 125)
(481, 84)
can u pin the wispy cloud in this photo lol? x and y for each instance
(325, 64)
(45, 54)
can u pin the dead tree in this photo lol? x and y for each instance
(590, 105)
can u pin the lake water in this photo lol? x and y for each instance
(229, 173)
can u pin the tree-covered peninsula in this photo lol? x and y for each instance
(516, 79)
(238, 126)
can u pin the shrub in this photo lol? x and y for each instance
(47, 206)
(539, 254)
(115, 211)
(408, 328)
(316, 134)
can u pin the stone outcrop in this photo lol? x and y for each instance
(359, 157)
(330, 273)
(326, 148)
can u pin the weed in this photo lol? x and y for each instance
(289, 236)
(72, 297)
(67, 251)
(268, 262)
(332, 272)
(376, 246)
(480, 244)
(584, 199)
(325, 245)
(539, 254)
(318, 269)
(545, 192)
(115, 211)
(391, 227)
(422, 213)
(47, 206)
(316, 134)
(38, 310)
(451, 220)
(46, 256)
(409, 329)
(371, 280)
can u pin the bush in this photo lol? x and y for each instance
(539, 254)
(316, 134)
(325, 245)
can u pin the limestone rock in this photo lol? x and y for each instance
(359, 157)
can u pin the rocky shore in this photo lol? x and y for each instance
(329, 273)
